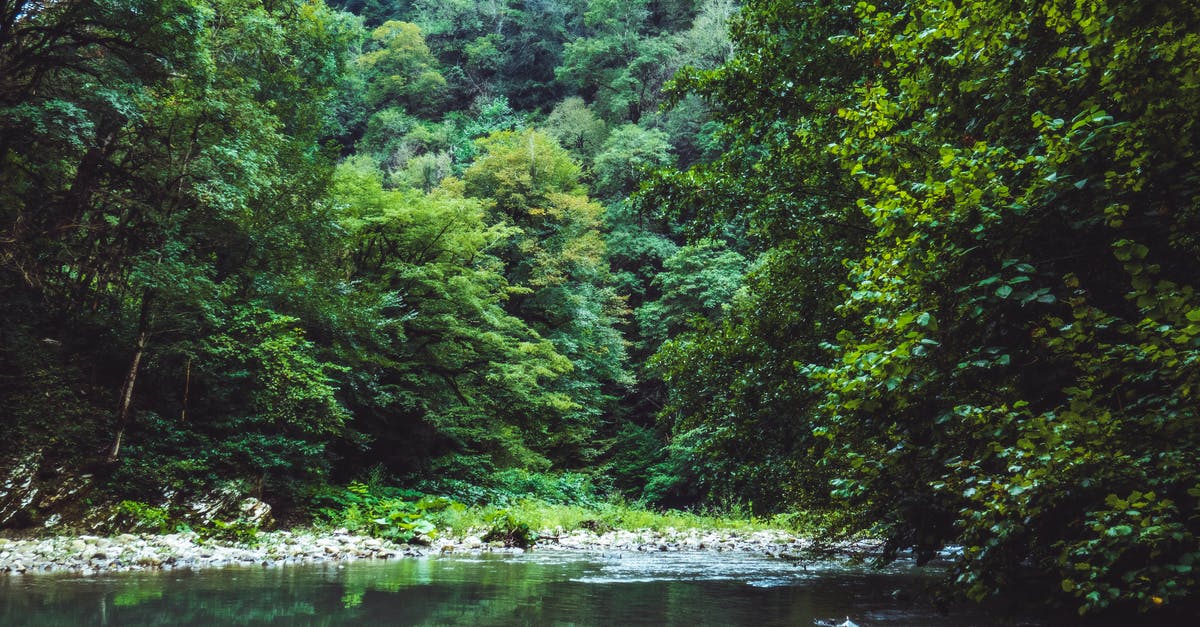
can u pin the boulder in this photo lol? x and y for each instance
(218, 504)
(227, 504)
(17, 487)
(255, 512)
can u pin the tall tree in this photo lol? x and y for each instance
(617, 64)
(160, 165)
(559, 258)
(438, 368)
(401, 71)
(501, 47)
(1005, 365)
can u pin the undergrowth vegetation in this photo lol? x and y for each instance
(529, 506)
(130, 516)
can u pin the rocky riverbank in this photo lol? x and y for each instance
(89, 555)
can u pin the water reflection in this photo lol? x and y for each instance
(540, 588)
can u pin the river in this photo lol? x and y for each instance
(537, 588)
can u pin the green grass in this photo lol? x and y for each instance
(543, 516)
(523, 505)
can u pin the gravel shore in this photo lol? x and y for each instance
(88, 555)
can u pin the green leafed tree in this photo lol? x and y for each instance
(1009, 190)
(559, 255)
(440, 369)
(628, 155)
(698, 281)
(401, 71)
(159, 169)
(577, 128)
(495, 48)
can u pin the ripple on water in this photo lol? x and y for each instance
(699, 566)
(771, 582)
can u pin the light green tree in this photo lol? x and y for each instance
(401, 71)
(577, 128)
(628, 155)
(560, 257)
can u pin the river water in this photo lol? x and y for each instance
(537, 588)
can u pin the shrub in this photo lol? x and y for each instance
(137, 516)
(382, 512)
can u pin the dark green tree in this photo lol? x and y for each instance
(627, 156)
(1004, 364)
(158, 172)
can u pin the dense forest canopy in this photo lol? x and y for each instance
(924, 269)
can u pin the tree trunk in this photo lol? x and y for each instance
(143, 337)
(187, 387)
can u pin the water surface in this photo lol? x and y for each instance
(538, 588)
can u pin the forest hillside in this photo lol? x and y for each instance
(918, 270)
